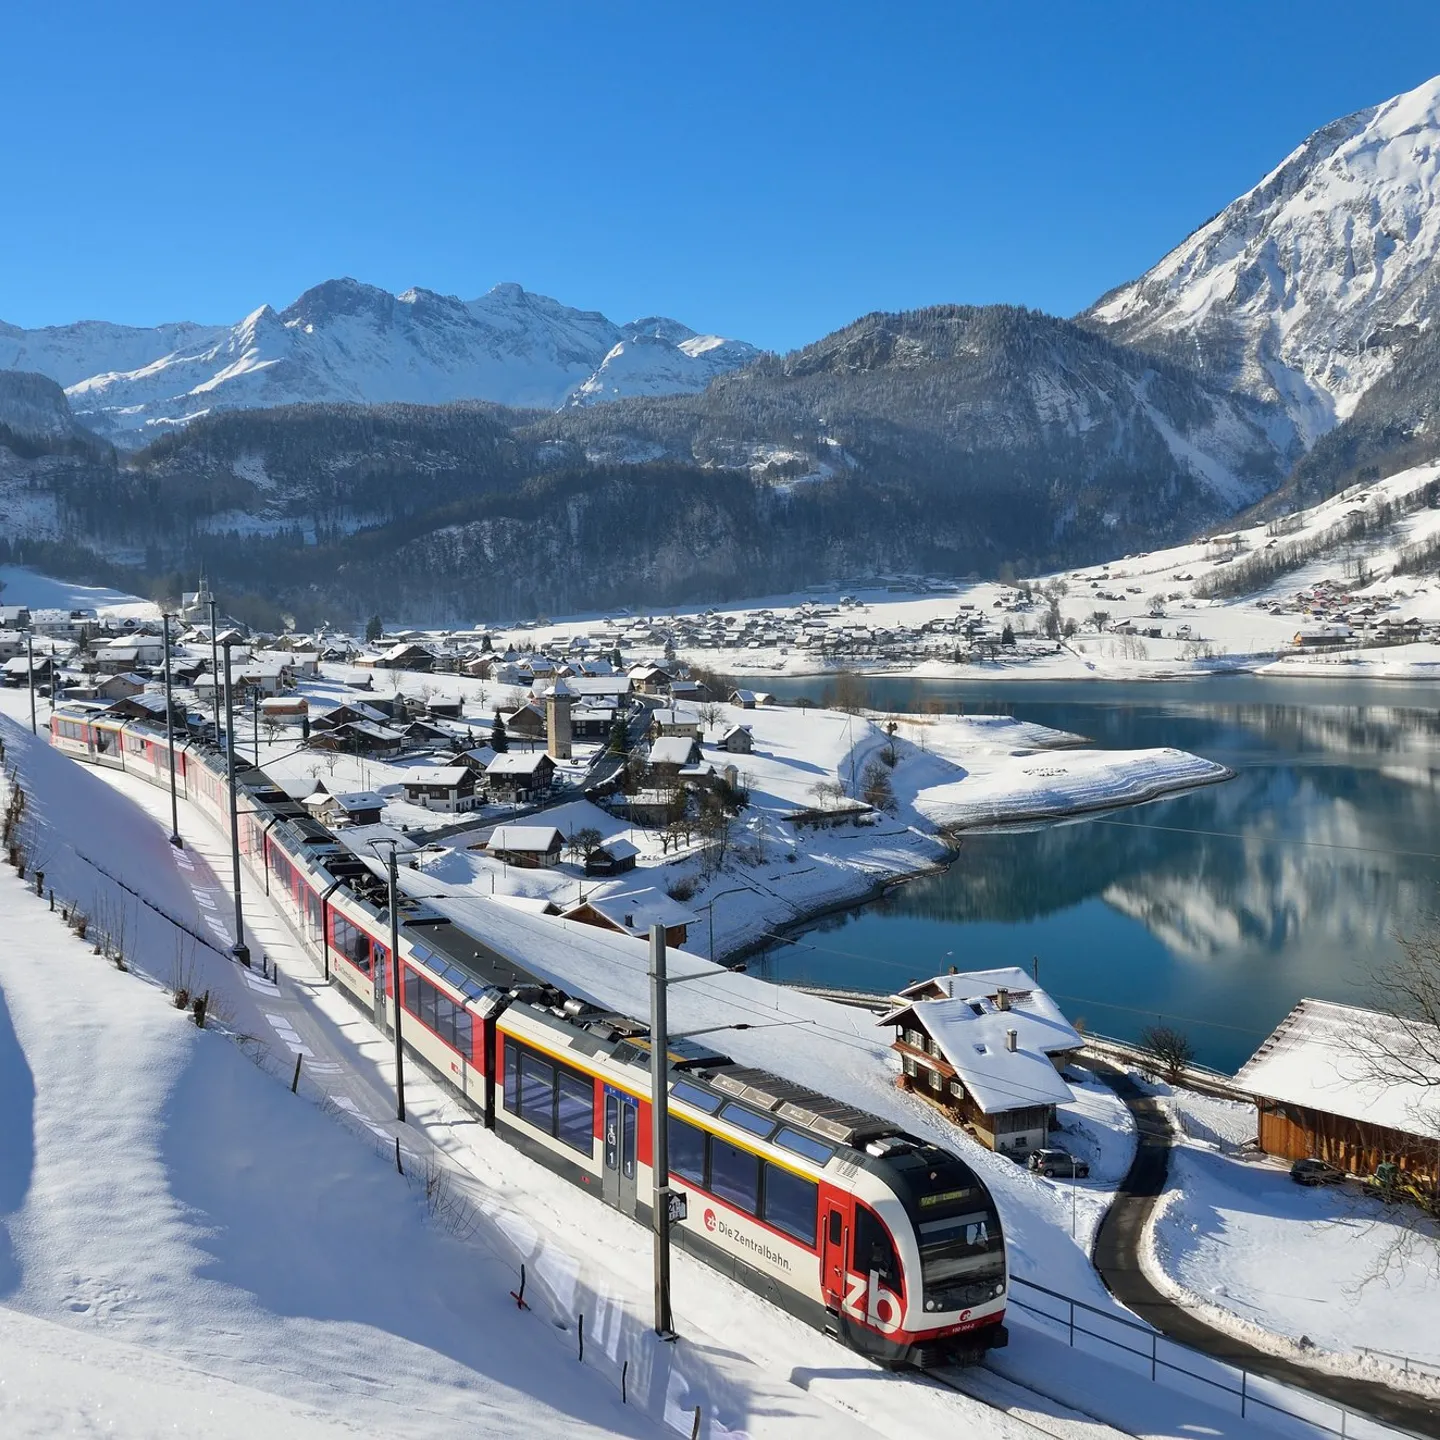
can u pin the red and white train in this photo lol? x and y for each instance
(885, 1240)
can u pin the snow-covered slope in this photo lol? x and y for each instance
(661, 357)
(1304, 289)
(344, 341)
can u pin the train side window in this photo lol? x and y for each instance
(537, 1092)
(734, 1175)
(512, 1076)
(836, 1221)
(575, 1111)
(687, 1151)
(875, 1250)
(791, 1203)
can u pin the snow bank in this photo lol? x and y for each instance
(1308, 1273)
(1044, 786)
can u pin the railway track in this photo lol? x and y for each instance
(1032, 1408)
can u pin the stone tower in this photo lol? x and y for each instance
(557, 720)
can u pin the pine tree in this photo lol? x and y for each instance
(374, 629)
(499, 740)
(619, 736)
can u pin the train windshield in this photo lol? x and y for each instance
(961, 1248)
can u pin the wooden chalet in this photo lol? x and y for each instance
(986, 1047)
(633, 912)
(1333, 1082)
(447, 788)
(533, 847)
(513, 777)
(612, 857)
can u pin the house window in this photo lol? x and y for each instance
(937, 1081)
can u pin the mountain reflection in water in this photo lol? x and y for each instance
(1303, 868)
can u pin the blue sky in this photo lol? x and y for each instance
(768, 171)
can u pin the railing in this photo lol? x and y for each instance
(1190, 1370)
(1407, 1362)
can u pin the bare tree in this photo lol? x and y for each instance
(583, 843)
(875, 786)
(846, 692)
(1171, 1048)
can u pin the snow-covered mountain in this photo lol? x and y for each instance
(344, 341)
(33, 407)
(1305, 289)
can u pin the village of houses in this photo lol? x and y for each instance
(566, 782)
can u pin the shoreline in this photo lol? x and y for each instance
(950, 837)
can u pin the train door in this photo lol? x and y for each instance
(622, 1127)
(832, 1254)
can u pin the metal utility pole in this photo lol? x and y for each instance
(214, 672)
(170, 738)
(240, 950)
(660, 1136)
(30, 673)
(396, 974)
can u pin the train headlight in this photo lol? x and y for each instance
(1000, 1289)
(932, 1304)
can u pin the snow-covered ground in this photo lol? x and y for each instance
(251, 1197)
(1327, 1274)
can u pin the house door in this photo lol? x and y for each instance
(622, 1125)
(832, 1262)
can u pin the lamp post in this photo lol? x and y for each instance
(240, 950)
(662, 1195)
(30, 675)
(397, 974)
(710, 907)
(170, 737)
(660, 1137)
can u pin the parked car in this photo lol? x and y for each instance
(1051, 1163)
(1315, 1172)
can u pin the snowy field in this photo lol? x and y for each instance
(1324, 1273)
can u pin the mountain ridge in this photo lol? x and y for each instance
(345, 341)
(1306, 288)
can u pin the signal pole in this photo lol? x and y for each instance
(660, 1134)
(170, 738)
(240, 950)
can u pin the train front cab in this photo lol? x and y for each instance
(927, 1277)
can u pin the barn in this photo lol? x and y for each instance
(1334, 1082)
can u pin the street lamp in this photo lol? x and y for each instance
(710, 906)
(240, 950)
(170, 737)
(396, 971)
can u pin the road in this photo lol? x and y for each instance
(1117, 1258)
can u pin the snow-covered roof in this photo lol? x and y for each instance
(635, 911)
(513, 764)
(972, 1031)
(1334, 1058)
(537, 838)
(671, 750)
(439, 775)
(618, 849)
(351, 801)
